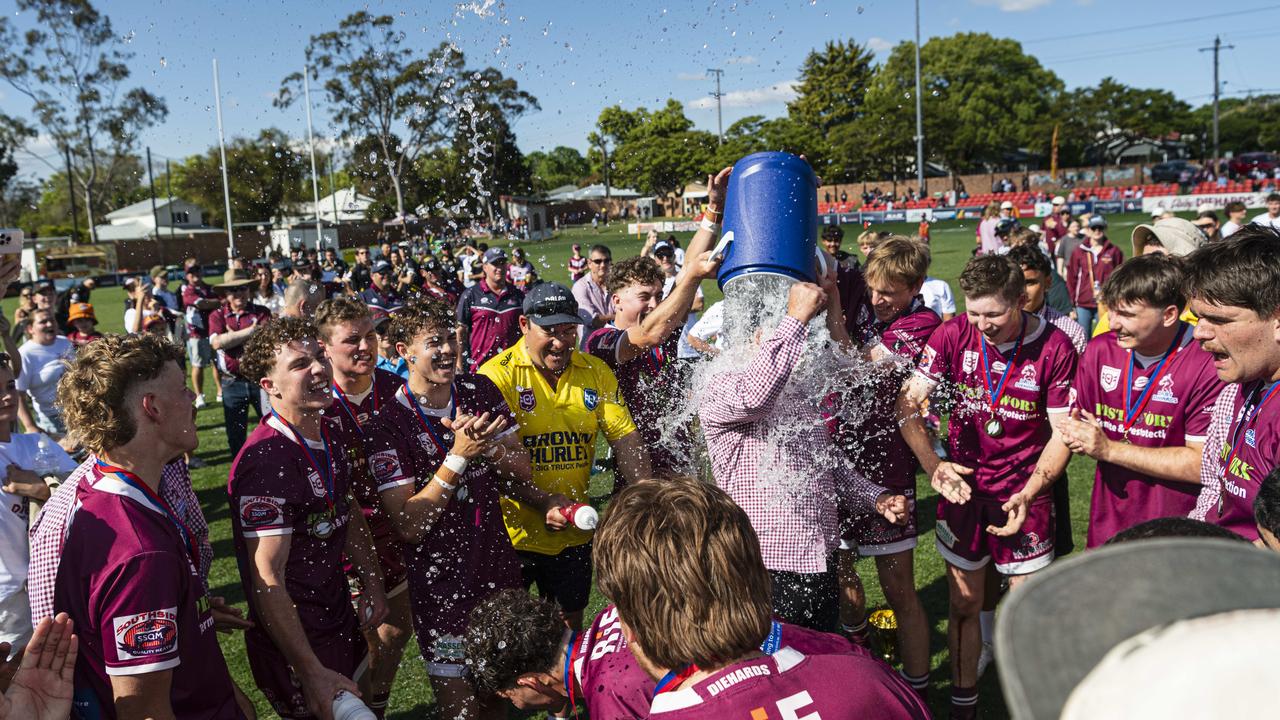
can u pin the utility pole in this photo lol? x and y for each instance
(222, 153)
(1217, 87)
(717, 95)
(151, 183)
(71, 195)
(168, 190)
(919, 115)
(333, 190)
(311, 148)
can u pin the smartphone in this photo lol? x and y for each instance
(10, 241)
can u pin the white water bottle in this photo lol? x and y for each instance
(349, 707)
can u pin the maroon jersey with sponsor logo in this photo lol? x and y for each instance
(790, 684)
(491, 319)
(138, 603)
(466, 556)
(275, 489)
(1039, 385)
(647, 383)
(1176, 410)
(1250, 452)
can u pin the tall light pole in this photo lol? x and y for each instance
(222, 153)
(1217, 87)
(311, 146)
(919, 113)
(717, 95)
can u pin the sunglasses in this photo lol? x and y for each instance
(601, 261)
(555, 308)
(24, 294)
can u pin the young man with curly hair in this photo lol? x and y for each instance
(294, 519)
(129, 573)
(441, 452)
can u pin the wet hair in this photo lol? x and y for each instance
(1154, 279)
(95, 390)
(509, 634)
(1266, 506)
(1029, 257)
(336, 311)
(1173, 527)
(639, 270)
(992, 275)
(1239, 271)
(264, 345)
(833, 232)
(417, 317)
(682, 563)
(898, 260)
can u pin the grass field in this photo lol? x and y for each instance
(952, 243)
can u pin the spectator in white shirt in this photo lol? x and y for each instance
(1271, 217)
(1236, 213)
(42, 367)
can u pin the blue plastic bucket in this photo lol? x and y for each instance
(771, 218)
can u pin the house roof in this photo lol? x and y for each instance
(141, 231)
(142, 208)
(591, 192)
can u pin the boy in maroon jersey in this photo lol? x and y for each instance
(518, 649)
(1142, 401)
(129, 574)
(1008, 373)
(900, 326)
(695, 621)
(1234, 288)
(361, 391)
(294, 520)
(441, 451)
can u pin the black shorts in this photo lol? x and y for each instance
(564, 578)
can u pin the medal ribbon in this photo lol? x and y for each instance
(133, 481)
(673, 679)
(1250, 416)
(327, 472)
(1008, 370)
(346, 404)
(422, 416)
(1132, 412)
(568, 659)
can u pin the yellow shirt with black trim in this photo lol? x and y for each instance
(558, 427)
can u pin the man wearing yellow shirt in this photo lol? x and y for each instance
(562, 400)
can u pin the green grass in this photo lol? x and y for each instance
(952, 242)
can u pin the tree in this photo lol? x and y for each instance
(52, 212)
(483, 140)
(1244, 124)
(656, 152)
(269, 175)
(754, 134)
(832, 86)
(561, 166)
(70, 66)
(1118, 117)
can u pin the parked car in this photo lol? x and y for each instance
(1174, 171)
(1246, 163)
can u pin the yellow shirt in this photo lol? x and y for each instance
(1104, 319)
(558, 427)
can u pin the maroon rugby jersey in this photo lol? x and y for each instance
(647, 384)
(1043, 371)
(1177, 410)
(1251, 450)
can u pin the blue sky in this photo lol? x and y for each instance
(578, 56)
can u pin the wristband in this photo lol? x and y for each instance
(709, 226)
(456, 463)
(444, 484)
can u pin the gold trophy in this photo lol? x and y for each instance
(886, 633)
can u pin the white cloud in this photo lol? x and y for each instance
(879, 45)
(691, 76)
(775, 93)
(742, 60)
(1014, 5)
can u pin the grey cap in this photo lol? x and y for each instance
(549, 303)
(1177, 236)
(494, 254)
(1097, 222)
(1054, 629)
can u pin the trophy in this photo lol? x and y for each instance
(886, 634)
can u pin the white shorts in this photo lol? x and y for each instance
(15, 619)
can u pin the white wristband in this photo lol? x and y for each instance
(709, 226)
(444, 484)
(456, 463)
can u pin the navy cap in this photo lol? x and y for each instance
(1007, 225)
(494, 254)
(381, 266)
(549, 303)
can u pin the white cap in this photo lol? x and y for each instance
(1204, 208)
(1034, 228)
(1006, 205)
(1157, 211)
(1058, 200)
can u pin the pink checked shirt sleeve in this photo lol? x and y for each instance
(749, 395)
(1211, 456)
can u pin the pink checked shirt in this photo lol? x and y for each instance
(50, 529)
(1211, 456)
(795, 516)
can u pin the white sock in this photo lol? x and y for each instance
(987, 619)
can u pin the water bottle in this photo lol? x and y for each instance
(45, 462)
(349, 707)
(581, 515)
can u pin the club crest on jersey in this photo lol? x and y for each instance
(1164, 393)
(317, 484)
(528, 401)
(590, 398)
(259, 510)
(385, 465)
(1110, 377)
(147, 634)
(1027, 379)
(1251, 438)
(969, 362)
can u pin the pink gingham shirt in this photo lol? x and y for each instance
(795, 518)
(50, 529)
(1211, 457)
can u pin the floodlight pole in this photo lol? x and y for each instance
(717, 95)
(315, 182)
(222, 153)
(919, 114)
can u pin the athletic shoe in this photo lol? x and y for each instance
(200, 402)
(219, 398)
(985, 658)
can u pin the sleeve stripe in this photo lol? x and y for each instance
(1056, 411)
(398, 482)
(1195, 438)
(267, 532)
(143, 669)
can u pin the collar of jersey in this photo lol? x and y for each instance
(403, 397)
(521, 356)
(284, 430)
(109, 483)
(785, 659)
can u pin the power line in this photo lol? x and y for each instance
(1147, 26)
